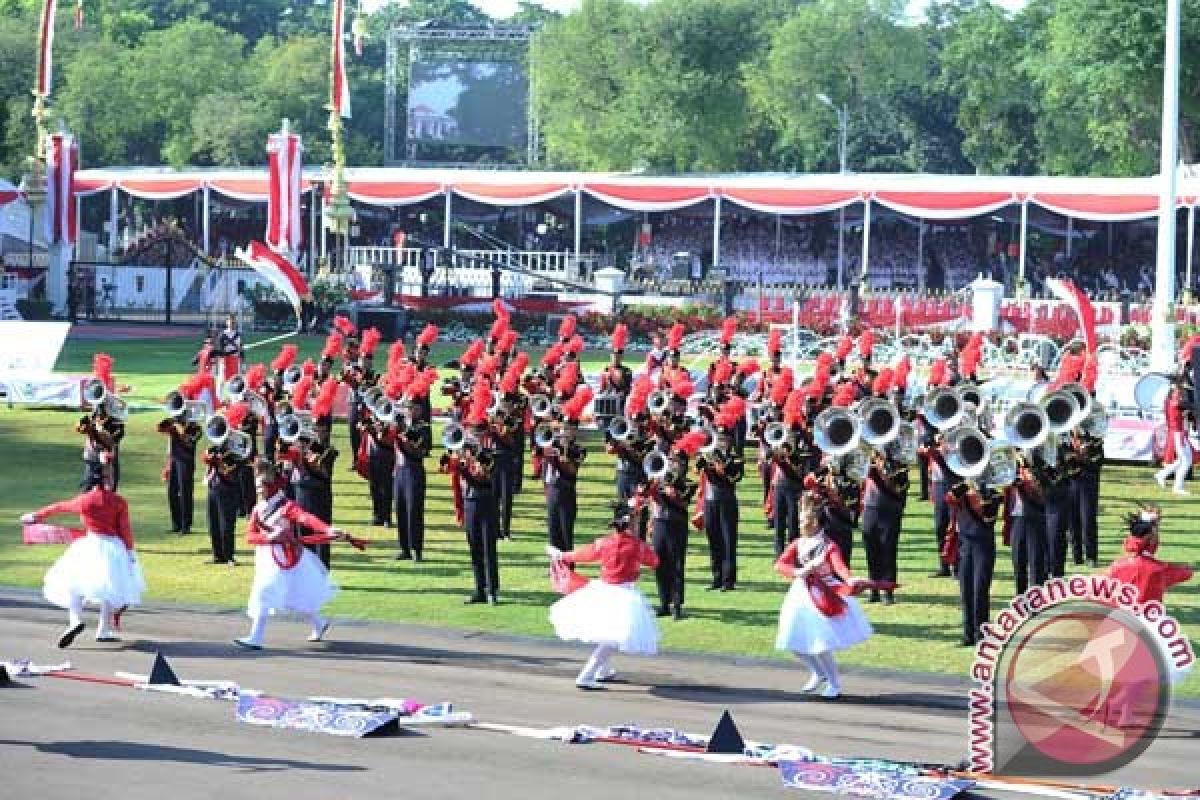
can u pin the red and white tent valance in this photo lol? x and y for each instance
(791, 201)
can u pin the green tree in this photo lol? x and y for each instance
(859, 55)
(227, 130)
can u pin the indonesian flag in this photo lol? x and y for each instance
(79, 15)
(62, 162)
(278, 270)
(45, 65)
(1074, 297)
(284, 225)
(339, 89)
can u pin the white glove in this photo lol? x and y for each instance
(28, 519)
(553, 552)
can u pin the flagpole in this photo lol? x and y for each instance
(1162, 330)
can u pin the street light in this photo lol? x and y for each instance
(842, 118)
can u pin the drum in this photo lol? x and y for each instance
(1150, 392)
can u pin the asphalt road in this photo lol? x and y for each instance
(67, 739)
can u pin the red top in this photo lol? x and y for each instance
(273, 522)
(1151, 576)
(1173, 413)
(835, 563)
(621, 557)
(103, 512)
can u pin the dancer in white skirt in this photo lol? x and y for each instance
(817, 619)
(287, 576)
(610, 611)
(99, 567)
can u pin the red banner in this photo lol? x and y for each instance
(285, 226)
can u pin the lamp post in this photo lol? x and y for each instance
(842, 118)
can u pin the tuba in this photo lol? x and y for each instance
(836, 431)
(855, 464)
(540, 406)
(943, 408)
(903, 449)
(1095, 424)
(969, 452)
(1001, 466)
(1026, 425)
(94, 392)
(659, 401)
(217, 429)
(620, 428)
(295, 426)
(656, 465)
(776, 435)
(1062, 411)
(880, 421)
(1083, 399)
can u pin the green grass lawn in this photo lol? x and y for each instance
(42, 464)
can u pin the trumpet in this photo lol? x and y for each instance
(1062, 411)
(218, 430)
(540, 406)
(943, 408)
(94, 392)
(836, 431)
(175, 404)
(659, 401)
(455, 438)
(385, 410)
(620, 429)
(880, 421)
(295, 426)
(1026, 426)
(969, 452)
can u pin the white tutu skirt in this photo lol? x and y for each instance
(304, 588)
(804, 629)
(607, 613)
(97, 568)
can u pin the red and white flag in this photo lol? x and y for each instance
(282, 274)
(79, 15)
(1074, 297)
(62, 162)
(285, 227)
(45, 66)
(339, 89)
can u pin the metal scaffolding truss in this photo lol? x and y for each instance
(405, 35)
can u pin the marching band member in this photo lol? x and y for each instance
(941, 478)
(670, 494)
(470, 471)
(616, 377)
(413, 442)
(311, 461)
(885, 492)
(287, 576)
(222, 477)
(975, 514)
(1086, 459)
(1026, 520)
(180, 470)
(377, 439)
(631, 451)
(1177, 459)
(789, 463)
(99, 567)
(560, 472)
(229, 349)
(672, 370)
(420, 361)
(102, 429)
(1054, 489)
(719, 477)
(764, 392)
(610, 612)
(817, 619)
(273, 393)
(508, 429)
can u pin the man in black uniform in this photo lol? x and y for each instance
(788, 466)
(975, 518)
(941, 478)
(1027, 524)
(381, 464)
(630, 453)
(670, 497)
(1086, 457)
(508, 435)
(722, 471)
(221, 476)
(312, 481)
(413, 443)
(104, 433)
(1057, 494)
(229, 348)
(885, 492)
(183, 434)
(560, 472)
(476, 463)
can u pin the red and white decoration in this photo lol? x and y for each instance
(285, 228)
(62, 162)
(45, 67)
(339, 90)
(1078, 302)
(282, 274)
